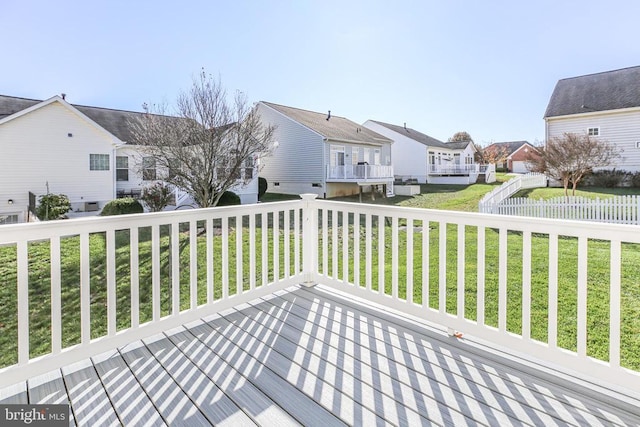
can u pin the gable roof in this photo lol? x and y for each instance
(413, 134)
(115, 122)
(610, 90)
(422, 138)
(510, 146)
(336, 128)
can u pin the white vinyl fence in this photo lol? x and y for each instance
(492, 200)
(619, 209)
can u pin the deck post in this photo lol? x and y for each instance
(309, 239)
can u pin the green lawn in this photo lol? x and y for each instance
(589, 192)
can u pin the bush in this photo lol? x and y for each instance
(128, 205)
(608, 178)
(156, 196)
(262, 187)
(52, 206)
(229, 198)
(635, 180)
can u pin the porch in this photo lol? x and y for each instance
(213, 331)
(359, 173)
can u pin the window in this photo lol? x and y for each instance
(367, 155)
(337, 155)
(376, 156)
(468, 160)
(148, 168)
(355, 155)
(456, 158)
(593, 132)
(248, 168)
(8, 219)
(99, 162)
(122, 168)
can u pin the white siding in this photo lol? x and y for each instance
(297, 161)
(36, 149)
(248, 192)
(409, 157)
(619, 128)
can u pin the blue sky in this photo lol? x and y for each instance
(487, 67)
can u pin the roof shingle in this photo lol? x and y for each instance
(337, 128)
(610, 90)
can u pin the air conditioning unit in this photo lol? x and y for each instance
(91, 206)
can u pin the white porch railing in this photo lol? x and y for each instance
(454, 169)
(359, 172)
(490, 201)
(478, 274)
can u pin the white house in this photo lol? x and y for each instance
(417, 156)
(80, 151)
(605, 105)
(323, 154)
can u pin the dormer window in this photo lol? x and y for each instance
(593, 132)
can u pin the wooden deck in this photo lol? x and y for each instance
(308, 357)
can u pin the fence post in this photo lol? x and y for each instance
(309, 239)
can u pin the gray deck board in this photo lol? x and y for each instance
(281, 391)
(212, 402)
(130, 402)
(398, 399)
(49, 388)
(15, 394)
(311, 357)
(173, 404)
(89, 400)
(262, 409)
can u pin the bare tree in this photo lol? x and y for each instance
(460, 137)
(571, 157)
(209, 144)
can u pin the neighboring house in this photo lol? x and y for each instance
(83, 152)
(604, 105)
(323, 154)
(517, 155)
(417, 156)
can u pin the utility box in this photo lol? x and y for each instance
(91, 206)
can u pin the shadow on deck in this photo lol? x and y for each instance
(307, 356)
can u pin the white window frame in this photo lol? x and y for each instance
(4, 218)
(122, 168)
(336, 150)
(149, 164)
(99, 162)
(594, 131)
(377, 156)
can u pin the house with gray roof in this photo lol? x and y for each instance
(604, 105)
(324, 154)
(86, 153)
(422, 158)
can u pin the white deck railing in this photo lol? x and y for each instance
(455, 169)
(359, 172)
(475, 273)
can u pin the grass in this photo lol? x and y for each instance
(454, 197)
(589, 192)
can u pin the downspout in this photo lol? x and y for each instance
(324, 165)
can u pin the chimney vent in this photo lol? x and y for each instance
(405, 125)
(329, 115)
(64, 96)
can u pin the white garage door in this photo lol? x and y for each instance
(519, 167)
